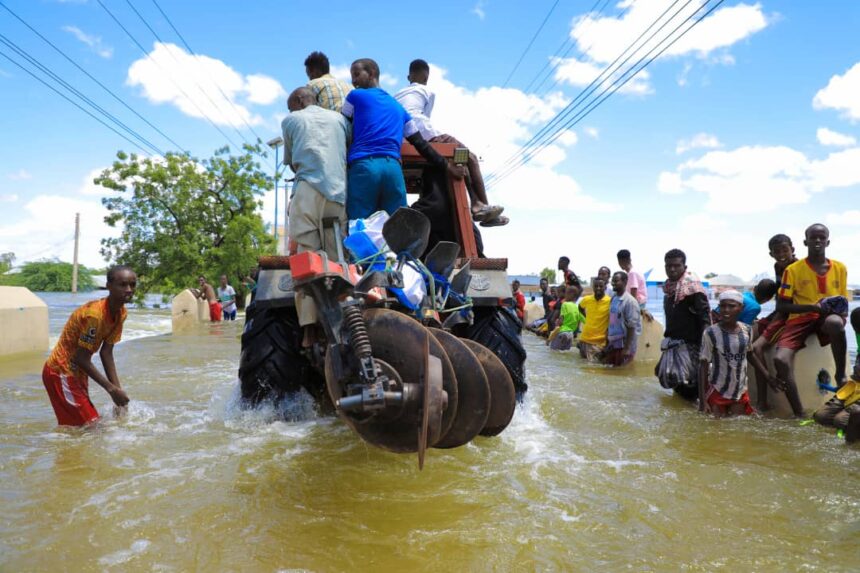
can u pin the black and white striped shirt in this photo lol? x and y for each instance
(726, 352)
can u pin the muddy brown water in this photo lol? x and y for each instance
(600, 470)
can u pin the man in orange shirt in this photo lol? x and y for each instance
(94, 326)
(805, 296)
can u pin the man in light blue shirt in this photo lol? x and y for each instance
(315, 145)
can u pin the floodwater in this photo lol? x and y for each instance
(599, 471)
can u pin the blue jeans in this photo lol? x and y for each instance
(374, 184)
(229, 314)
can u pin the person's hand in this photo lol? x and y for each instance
(626, 356)
(119, 397)
(456, 171)
(776, 384)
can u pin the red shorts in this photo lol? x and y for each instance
(722, 405)
(215, 311)
(795, 333)
(70, 398)
(770, 329)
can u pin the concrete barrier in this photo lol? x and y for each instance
(24, 320)
(533, 312)
(187, 311)
(807, 363)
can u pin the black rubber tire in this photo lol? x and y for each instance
(498, 328)
(272, 365)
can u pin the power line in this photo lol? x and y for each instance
(100, 84)
(188, 47)
(146, 54)
(588, 90)
(95, 106)
(532, 41)
(615, 86)
(191, 76)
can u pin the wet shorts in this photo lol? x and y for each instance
(70, 398)
(770, 327)
(615, 357)
(795, 333)
(722, 405)
(215, 312)
(562, 341)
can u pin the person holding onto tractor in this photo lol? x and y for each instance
(379, 125)
(95, 326)
(328, 91)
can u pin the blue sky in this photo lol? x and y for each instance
(747, 127)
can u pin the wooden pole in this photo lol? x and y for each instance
(75, 259)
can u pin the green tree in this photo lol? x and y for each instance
(548, 274)
(49, 276)
(183, 217)
(6, 260)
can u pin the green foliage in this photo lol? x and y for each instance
(183, 217)
(710, 275)
(548, 273)
(6, 260)
(49, 276)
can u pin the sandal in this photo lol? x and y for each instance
(497, 222)
(487, 213)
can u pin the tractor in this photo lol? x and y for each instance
(404, 376)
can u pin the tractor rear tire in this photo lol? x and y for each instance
(272, 365)
(499, 330)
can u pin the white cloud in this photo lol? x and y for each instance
(478, 9)
(20, 175)
(93, 42)
(591, 132)
(848, 218)
(171, 75)
(754, 179)
(602, 39)
(702, 223)
(10, 198)
(842, 93)
(263, 89)
(581, 73)
(387, 80)
(834, 138)
(698, 141)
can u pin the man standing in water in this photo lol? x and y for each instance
(625, 323)
(207, 293)
(595, 309)
(636, 285)
(227, 296)
(685, 305)
(95, 326)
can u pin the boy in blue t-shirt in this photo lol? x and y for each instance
(379, 125)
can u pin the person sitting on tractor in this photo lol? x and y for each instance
(329, 92)
(379, 124)
(418, 101)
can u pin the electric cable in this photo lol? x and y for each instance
(532, 41)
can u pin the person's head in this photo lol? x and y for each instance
(316, 65)
(731, 305)
(300, 99)
(544, 284)
(223, 281)
(571, 293)
(515, 286)
(624, 260)
(599, 286)
(604, 273)
(201, 280)
(553, 291)
(619, 282)
(816, 239)
(764, 290)
(780, 248)
(563, 263)
(365, 73)
(676, 264)
(121, 284)
(419, 72)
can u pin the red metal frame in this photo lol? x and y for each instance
(459, 196)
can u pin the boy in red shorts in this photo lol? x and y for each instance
(805, 284)
(94, 326)
(723, 361)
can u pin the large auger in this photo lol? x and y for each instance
(399, 385)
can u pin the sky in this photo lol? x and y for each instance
(745, 127)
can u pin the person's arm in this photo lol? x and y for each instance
(633, 322)
(787, 307)
(703, 380)
(701, 310)
(426, 150)
(106, 355)
(288, 145)
(83, 360)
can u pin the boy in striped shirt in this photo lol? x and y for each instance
(723, 361)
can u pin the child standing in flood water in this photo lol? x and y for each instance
(723, 361)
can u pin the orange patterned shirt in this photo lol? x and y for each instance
(88, 327)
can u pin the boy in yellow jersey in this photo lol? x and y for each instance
(95, 326)
(595, 309)
(806, 286)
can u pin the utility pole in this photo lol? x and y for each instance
(75, 259)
